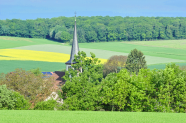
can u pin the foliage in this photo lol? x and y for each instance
(79, 91)
(98, 28)
(114, 64)
(46, 105)
(12, 100)
(21, 102)
(34, 88)
(6, 98)
(150, 90)
(135, 61)
(85, 67)
(183, 68)
(36, 71)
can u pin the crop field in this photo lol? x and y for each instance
(17, 57)
(35, 116)
(175, 44)
(11, 42)
(124, 47)
(49, 55)
(162, 66)
(11, 65)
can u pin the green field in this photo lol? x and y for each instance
(11, 65)
(105, 54)
(175, 44)
(156, 55)
(11, 42)
(162, 66)
(147, 50)
(30, 116)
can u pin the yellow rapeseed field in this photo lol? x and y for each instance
(17, 54)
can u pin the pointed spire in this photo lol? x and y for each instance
(75, 16)
(75, 46)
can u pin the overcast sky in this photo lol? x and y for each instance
(32, 9)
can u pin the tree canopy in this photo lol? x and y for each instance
(97, 28)
(135, 61)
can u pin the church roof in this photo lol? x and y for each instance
(75, 47)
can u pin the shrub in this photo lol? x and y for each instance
(135, 61)
(183, 68)
(36, 71)
(114, 64)
(12, 100)
(21, 103)
(46, 105)
(7, 100)
(34, 88)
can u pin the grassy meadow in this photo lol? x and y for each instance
(36, 116)
(28, 53)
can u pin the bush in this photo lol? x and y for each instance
(135, 61)
(46, 105)
(36, 71)
(114, 64)
(183, 68)
(34, 88)
(12, 100)
(7, 100)
(21, 103)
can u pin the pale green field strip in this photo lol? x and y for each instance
(10, 42)
(176, 44)
(147, 50)
(10, 65)
(104, 54)
(31, 116)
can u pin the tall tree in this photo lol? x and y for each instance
(135, 61)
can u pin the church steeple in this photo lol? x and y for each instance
(74, 49)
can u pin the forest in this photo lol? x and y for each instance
(97, 28)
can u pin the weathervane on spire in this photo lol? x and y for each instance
(75, 15)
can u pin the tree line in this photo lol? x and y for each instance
(97, 28)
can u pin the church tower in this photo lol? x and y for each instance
(74, 49)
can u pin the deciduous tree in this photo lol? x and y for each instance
(135, 61)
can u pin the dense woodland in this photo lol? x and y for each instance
(97, 28)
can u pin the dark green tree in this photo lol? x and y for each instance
(135, 61)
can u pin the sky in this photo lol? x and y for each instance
(33, 9)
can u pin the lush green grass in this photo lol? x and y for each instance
(162, 66)
(147, 50)
(31, 116)
(11, 65)
(11, 42)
